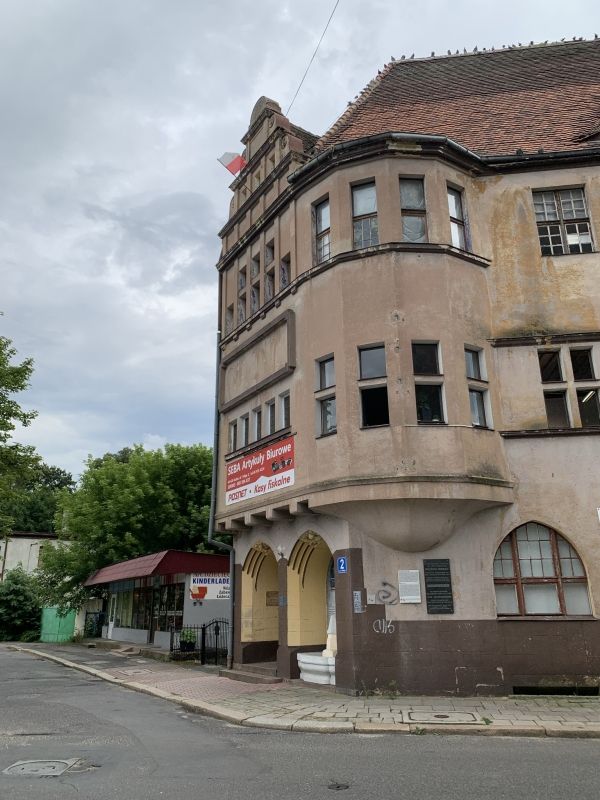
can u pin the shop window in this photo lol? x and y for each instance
(168, 607)
(375, 411)
(537, 572)
(557, 411)
(412, 209)
(562, 221)
(589, 407)
(550, 367)
(583, 366)
(372, 362)
(322, 231)
(457, 218)
(364, 216)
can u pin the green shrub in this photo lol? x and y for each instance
(20, 607)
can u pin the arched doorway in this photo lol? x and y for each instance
(309, 573)
(259, 622)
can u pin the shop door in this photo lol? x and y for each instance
(154, 614)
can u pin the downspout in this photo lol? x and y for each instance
(213, 494)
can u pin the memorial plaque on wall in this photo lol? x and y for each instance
(438, 586)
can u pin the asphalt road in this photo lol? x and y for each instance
(131, 747)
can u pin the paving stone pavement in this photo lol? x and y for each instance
(298, 706)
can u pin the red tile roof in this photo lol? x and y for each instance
(492, 102)
(168, 562)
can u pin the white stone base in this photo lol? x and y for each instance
(317, 668)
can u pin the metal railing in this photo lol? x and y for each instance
(205, 643)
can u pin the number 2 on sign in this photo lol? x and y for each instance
(383, 626)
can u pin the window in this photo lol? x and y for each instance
(536, 571)
(270, 417)
(257, 414)
(245, 430)
(583, 366)
(429, 403)
(242, 279)
(242, 308)
(269, 285)
(425, 359)
(375, 411)
(269, 252)
(284, 272)
(372, 362)
(457, 219)
(254, 299)
(477, 401)
(255, 268)
(412, 208)
(562, 221)
(242, 295)
(322, 232)
(284, 405)
(328, 421)
(589, 407)
(556, 409)
(550, 368)
(229, 319)
(364, 215)
(326, 373)
(233, 432)
(473, 364)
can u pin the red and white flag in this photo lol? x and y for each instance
(233, 161)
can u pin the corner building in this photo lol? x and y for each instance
(409, 379)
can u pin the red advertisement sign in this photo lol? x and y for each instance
(261, 472)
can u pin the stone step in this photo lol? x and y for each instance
(248, 677)
(259, 667)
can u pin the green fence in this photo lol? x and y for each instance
(57, 628)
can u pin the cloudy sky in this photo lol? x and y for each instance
(112, 117)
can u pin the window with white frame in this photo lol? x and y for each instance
(563, 221)
(257, 419)
(457, 218)
(326, 401)
(364, 216)
(428, 393)
(244, 430)
(233, 436)
(537, 572)
(478, 393)
(412, 210)
(284, 410)
(322, 231)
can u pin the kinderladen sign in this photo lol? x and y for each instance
(209, 587)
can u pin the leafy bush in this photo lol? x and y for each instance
(20, 607)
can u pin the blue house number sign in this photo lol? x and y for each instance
(342, 564)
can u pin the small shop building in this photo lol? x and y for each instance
(150, 596)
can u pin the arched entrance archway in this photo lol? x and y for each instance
(259, 603)
(307, 587)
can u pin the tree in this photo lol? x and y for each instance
(35, 498)
(20, 607)
(15, 460)
(127, 507)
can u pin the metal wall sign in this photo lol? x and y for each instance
(357, 602)
(342, 564)
(438, 586)
(409, 586)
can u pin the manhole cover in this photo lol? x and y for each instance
(40, 769)
(451, 717)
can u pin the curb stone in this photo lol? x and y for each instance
(293, 723)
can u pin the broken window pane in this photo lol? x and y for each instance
(375, 409)
(550, 366)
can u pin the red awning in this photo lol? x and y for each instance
(168, 562)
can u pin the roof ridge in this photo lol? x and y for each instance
(360, 98)
(506, 48)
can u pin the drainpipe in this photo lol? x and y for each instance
(213, 494)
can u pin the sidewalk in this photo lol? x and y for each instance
(299, 707)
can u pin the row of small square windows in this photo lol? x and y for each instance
(374, 399)
(561, 215)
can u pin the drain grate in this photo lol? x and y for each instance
(338, 787)
(448, 717)
(40, 769)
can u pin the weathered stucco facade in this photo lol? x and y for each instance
(386, 466)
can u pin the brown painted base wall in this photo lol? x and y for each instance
(255, 652)
(468, 658)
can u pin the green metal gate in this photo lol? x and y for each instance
(57, 628)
